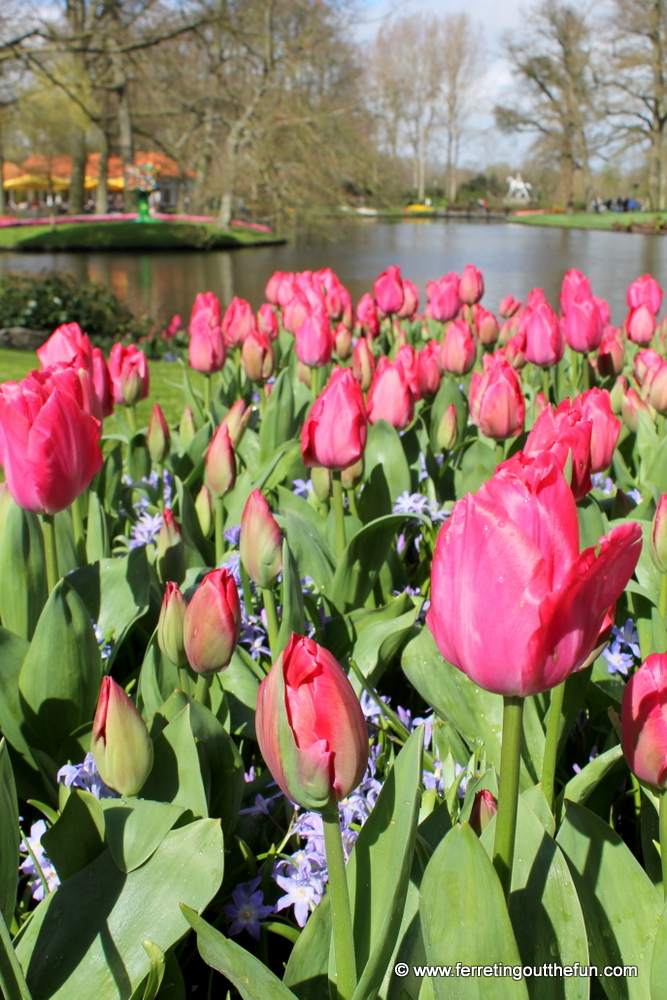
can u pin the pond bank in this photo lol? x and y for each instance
(130, 236)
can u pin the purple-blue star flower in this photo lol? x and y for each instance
(246, 909)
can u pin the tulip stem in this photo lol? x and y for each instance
(587, 373)
(341, 916)
(574, 369)
(508, 792)
(500, 453)
(50, 551)
(551, 743)
(352, 500)
(339, 512)
(207, 392)
(131, 415)
(184, 680)
(662, 601)
(219, 526)
(79, 531)
(201, 690)
(545, 383)
(663, 840)
(262, 398)
(271, 620)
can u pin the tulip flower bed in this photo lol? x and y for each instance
(353, 681)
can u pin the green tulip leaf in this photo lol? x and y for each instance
(659, 959)
(9, 835)
(372, 636)
(240, 684)
(12, 982)
(85, 939)
(176, 775)
(158, 678)
(61, 674)
(386, 472)
(361, 562)
(97, 530)
(250, 976)
(135, 828)
(621, 906)
(277, 425)
(477, 465)
(447, 394)
(149, 989)
(116, 593)
(586, 781)
(307, 970)
(77, 837)
(292, 600)
(313, 556)
(464, 919)
(23, 590)
(13, 650)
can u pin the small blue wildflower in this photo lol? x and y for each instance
(636, 496)
(233, 535)
(87, 777)
(104, 646)
(411, 503)
(302, 487)
(246, 909)
(145, 530)
(605, 485)
(629, 636)
(232, 563)
(46, 868)
(619, 662)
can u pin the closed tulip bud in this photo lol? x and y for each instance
(204, 508)
(443, 297)
(640, 324)
(304, 375)
(604, 309)
(595, 405)
(66, 343)
(220, 465)
(388, 291)
(427, 368)
(128, 368)
(545, 343)
(310, 727)
(212, 623)
(238, 322)
(314, 340)
(236, 420)
(367, 317)
(187, 427)
(646, 290)
(509, 306)
(410, 300)
(644, 721)
(540, 403)
(458, 348)
(351, 476)
(206, 350)
(273, 285)
(260, 544)
(655, 386)
(484, 808)
(258, 357)
(617, 395)
(448, 429)
(582, 326)
(334, 432)
(267, 320)
(342, 342)
(471, 286)
(158, 439)
(497, 405)
(549, 600)
(644, 361)
(102, 382)
(321, 480)
(120, 743)
(486, 326)
(171, 560)
(575, 286)
(170, 625)
(389, 397)
(631, 405)
(659, 535)
(363, 364)
(611, 356)
(515, 350)
(295, 312)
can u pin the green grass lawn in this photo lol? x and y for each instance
(130, 236)
(586, 220)
(14, 365)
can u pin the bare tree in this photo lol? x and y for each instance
(553, 65)
(638, 85)
(463, 57)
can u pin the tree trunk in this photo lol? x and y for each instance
(421, 193)
(77, 191)
(125, 136)
(102, 192)
(180, 193)
(654, 172)
(662, 176)
(3, 196)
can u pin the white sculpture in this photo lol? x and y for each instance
(519, 190)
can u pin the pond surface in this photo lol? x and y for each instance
(513, 258)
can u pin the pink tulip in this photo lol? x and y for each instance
(310, 727)
(458, 348)
(49, 445)
(631, 405)
(497, 405)
(334, 432)
(645, 360)
(611, 356)
(444, 302)
(295, 312)
(545, 343)
(388, 291)
(158, 438)
(406, 359)
(206, 350)
(128, 368)
(509, 306)
(342, 340)
(220, 466)
(575, 288)
(484, 808)
(410, 302)
(515, 350)
(647, 291)
(595, 405)
(238, 321)
(582, 325)
(267, 320)
(486, 326)
(428, 369)
(471, 286)
(389, 397)
(66, 343)
(566, 433)
(603, 309)
(640, 324)
(514, 547)
(260, 545)
(367, 316)
(272, 286)
(644, 721)
(363, 364)
(102, 382)
(536, 298)
(655, 386)
(120, 743)
(314, 340)
(212, 623)
(257, 356)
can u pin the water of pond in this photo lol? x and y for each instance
(513, 258)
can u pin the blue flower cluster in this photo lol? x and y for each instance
(623, 653)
